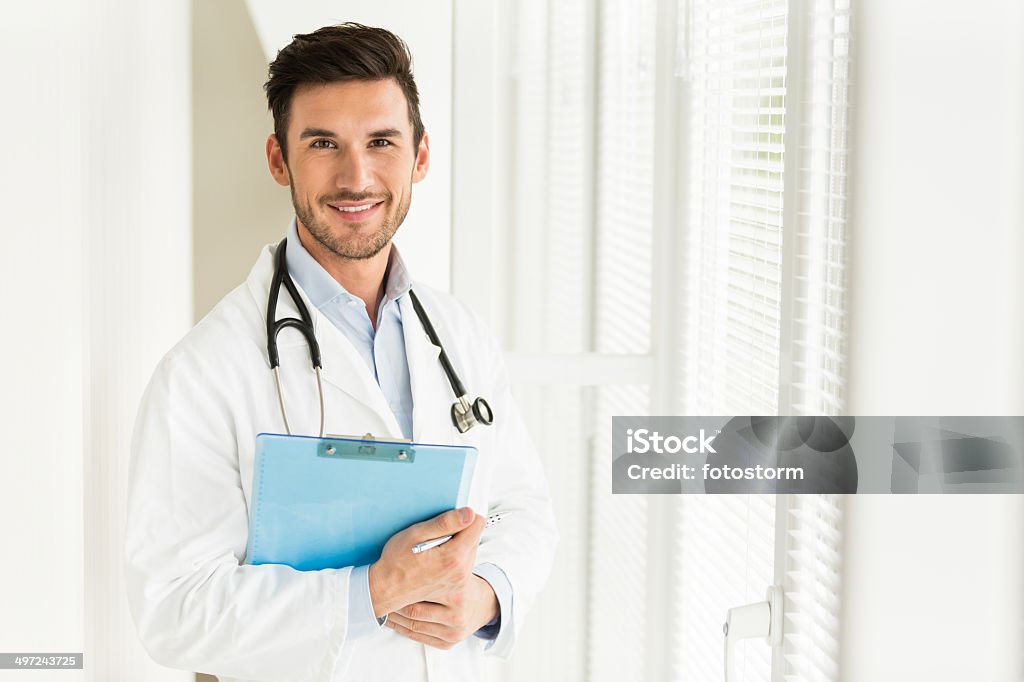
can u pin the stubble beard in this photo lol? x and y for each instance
(355, 247)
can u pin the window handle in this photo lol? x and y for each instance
(762, 619)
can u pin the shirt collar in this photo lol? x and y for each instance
(322, 289)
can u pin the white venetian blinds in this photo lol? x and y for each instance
(724, 558)
(765, 134)
(819, 203)
(733, 66)
(735, 62)
(625, 175)
(623, 199)
(754, 169)
(817, 213)
(811, 580)
(767, 128)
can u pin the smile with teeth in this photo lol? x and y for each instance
(356, 209)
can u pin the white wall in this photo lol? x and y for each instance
(938, 159)
(94, 214)
(41, 466)
(137, 294)
(934, 586)
(238, 208)
(425, 236)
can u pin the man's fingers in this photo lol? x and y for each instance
(419, 632)
(426, 611)
(424, 628)
(420, 637)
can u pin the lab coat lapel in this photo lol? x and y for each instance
(346, 370)
(431, 394)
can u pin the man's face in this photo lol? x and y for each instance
(351, 164)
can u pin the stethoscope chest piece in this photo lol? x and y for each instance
(466, 415)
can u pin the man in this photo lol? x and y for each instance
(349, 143)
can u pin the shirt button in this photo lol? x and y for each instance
(353, 302)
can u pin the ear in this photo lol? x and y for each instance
(275, 160)
(419, 171)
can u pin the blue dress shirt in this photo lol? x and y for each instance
(383, 351)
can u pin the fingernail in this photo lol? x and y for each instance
(466, 514)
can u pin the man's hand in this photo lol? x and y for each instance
(400, 578)
(443, 625)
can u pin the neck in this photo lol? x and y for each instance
(363, 277)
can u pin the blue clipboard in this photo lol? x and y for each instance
(333, 502)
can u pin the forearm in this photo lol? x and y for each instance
(266, 622)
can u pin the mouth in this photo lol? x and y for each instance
(355, 212)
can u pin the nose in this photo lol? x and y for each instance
(353, 171)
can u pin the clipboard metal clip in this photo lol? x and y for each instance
(369, 436)
(367, 447)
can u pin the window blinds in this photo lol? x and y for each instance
(763, 302)
(760, 285)
(815, 376)
(764, 284)
(725, 558)
(736, 66)
(619, 547)
(624, 143)
(625, 175)
(812, 582)
(819, 215)
(569, 128)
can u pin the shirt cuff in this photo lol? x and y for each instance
(361, 619)
(498, 581)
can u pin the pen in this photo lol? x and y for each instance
(492, 520)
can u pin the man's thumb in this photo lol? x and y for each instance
(451, 522)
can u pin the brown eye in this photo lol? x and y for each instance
(380, 143)
(322, 144)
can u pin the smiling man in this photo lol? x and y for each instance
(349, 143)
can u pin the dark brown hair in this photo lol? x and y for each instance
(345, 52)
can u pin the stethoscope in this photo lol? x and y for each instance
(465, 414)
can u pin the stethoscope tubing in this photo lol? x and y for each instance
(470, 413)
(304, 326)
(274, 326)
(446, 364)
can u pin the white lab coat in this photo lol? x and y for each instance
(195, 605)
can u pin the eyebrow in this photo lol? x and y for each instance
(323, 132)
(316, 132)
(387, 132)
